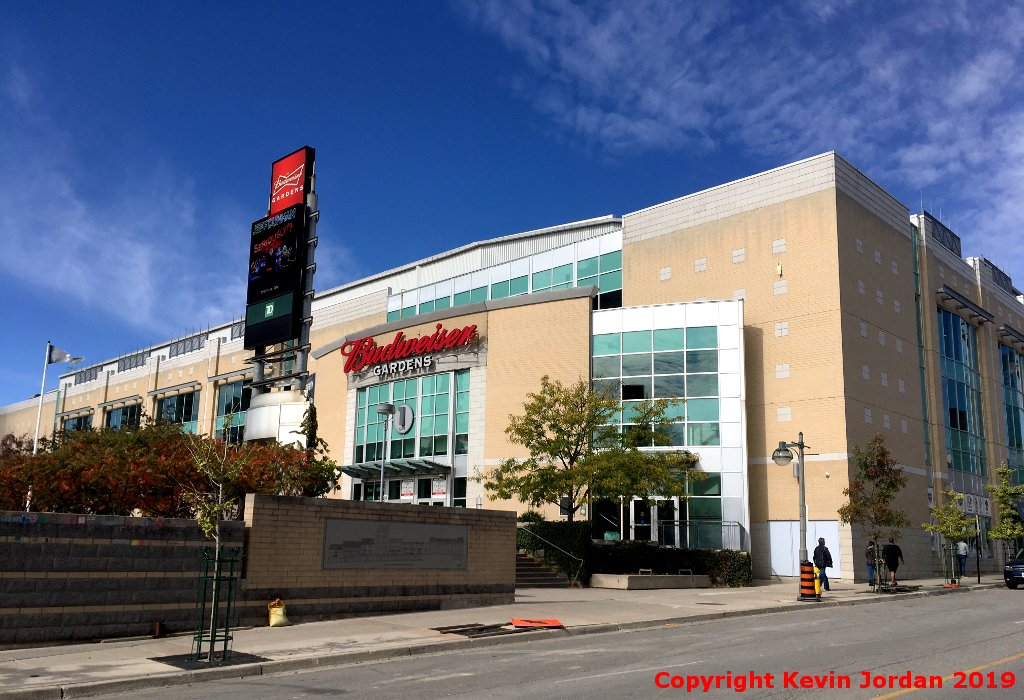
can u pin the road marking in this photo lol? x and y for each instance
(949, 678)
(619, 673)
(441, 678)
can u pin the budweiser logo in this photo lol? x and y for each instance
(362, 353)
(292, 179)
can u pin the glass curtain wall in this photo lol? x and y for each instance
(961, 394)
(181, 409)
(232, 399)
(668, 363)
(440, 403)
(1012, 365)
(525, 276)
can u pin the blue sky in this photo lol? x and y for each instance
(136, 139)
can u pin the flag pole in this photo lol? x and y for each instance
(42, 391)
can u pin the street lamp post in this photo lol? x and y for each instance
(783, 456)
(387, 410)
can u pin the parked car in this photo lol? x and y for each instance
(1013, 572)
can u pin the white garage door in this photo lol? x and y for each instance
(783, 539)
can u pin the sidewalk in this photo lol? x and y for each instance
(89, 669)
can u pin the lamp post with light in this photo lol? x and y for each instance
(784, 456)
(387, 410)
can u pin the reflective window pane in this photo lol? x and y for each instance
(702, 385)
(636, 341)
(669, 363)
(606, 366)
(702, 337)
(670, 386)
(702, 361)
(636, 365)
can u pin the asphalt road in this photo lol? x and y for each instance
(927, 637)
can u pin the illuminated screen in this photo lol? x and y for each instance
(276, 254)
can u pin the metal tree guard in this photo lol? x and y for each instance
(218, 578)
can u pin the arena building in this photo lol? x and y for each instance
(802, 299)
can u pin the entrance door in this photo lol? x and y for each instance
(641, 521)
(668, 526)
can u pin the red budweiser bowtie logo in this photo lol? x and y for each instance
(292, 179)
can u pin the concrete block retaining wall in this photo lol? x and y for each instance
(76, 577)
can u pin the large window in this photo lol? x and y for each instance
(123, 417)
(961, 394)
(554, 269)
(182, 409)
(232, 399)
(440, 403)
(1012, 364)
(78, 423)
(668, 363)
(605, 271)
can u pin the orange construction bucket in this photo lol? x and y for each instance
(807, 591)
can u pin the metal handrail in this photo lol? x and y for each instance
(524, 526)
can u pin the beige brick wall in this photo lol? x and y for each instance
(285, 541)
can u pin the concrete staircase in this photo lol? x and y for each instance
(531, 574)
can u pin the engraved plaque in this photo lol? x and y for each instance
(374, 544)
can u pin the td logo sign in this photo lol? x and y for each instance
(269, 311)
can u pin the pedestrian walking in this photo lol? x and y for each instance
(961, 556)
(822, 560)
(893, 556)
(871, 554)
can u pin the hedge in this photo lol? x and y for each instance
(725, 567)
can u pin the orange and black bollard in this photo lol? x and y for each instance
(807, 581)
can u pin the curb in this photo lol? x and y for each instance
(85, 690)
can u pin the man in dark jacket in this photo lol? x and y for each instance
(822, 560)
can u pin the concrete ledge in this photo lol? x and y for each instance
(632, 582)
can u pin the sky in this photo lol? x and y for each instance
(136, 139)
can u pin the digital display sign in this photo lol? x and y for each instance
(276, 261)
(276, 254)
(290, 179)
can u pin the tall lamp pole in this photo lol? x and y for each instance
(783, 456)
(387, 410)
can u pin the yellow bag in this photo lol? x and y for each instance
(278, 618)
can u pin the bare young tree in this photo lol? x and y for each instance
(220, 463)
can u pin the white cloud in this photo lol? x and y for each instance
(921, 97)
(127, 244)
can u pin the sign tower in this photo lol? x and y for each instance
(280, 292)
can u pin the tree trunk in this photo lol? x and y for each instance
(216, 572)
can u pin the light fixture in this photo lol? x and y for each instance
(782, 456)
(387, 410)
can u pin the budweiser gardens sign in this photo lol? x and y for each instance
(403, 354)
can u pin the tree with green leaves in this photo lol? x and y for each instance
(577, 452)
(1009, 528)
(877, 478)
(951, 520)
(220, 465)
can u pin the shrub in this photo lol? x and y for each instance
(725, 567)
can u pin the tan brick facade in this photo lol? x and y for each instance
(285, 553)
